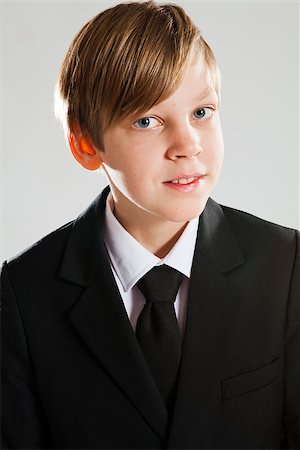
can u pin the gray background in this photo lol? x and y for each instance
(257, 46)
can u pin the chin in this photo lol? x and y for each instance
(185, 214)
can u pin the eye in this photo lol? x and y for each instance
(146, 123)
(203, 113)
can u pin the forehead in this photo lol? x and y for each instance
(192, 83)
(198, 72)
(195, 85)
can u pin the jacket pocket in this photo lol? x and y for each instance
(251, 381)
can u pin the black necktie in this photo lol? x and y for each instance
(157, 328)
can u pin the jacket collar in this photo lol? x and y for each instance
(81, 259)
(217, 240)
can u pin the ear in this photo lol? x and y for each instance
(83, 150)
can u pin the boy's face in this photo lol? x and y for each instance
(179, 138)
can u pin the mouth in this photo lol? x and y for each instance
(186, 183)
(185, 179)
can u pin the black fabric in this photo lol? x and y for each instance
(157, 327)
(74, 375)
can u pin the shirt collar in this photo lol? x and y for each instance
(131, 261)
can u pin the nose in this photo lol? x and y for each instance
(185, 141)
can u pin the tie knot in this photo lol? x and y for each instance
(160, 284)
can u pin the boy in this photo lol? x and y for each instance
(158, 318)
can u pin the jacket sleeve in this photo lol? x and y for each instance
(22, 418)
(291, 414)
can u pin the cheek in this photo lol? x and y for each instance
(215, 151)
(129, 176)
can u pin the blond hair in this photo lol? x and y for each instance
(124, 61)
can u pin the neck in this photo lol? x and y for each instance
(154, 234)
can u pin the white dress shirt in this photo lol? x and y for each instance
(130, 261)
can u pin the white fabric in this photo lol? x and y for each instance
(130, 261)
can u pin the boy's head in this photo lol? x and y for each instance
(139, 93)
(125, 60)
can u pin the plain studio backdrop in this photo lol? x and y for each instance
(256, 45)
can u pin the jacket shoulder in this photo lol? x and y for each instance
(75, 244)
(256, 229)
(42, 252)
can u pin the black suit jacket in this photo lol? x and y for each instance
(74, 375)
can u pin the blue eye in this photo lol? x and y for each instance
(203, 113)
(145, 123)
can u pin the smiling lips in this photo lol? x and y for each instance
(184, 180)
(186, 183)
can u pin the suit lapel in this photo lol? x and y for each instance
(101, 319)
(207, 338)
